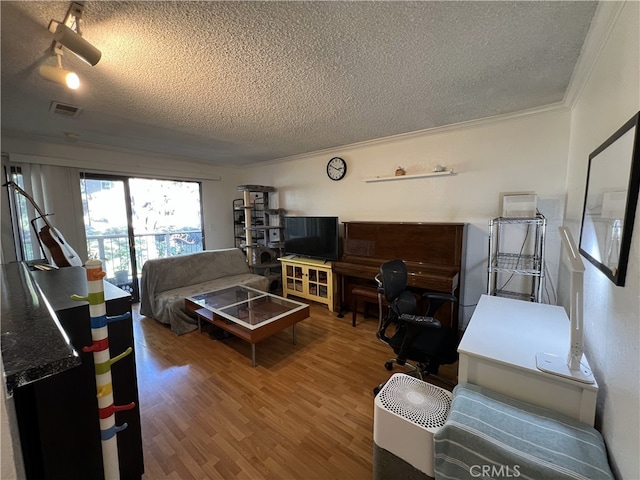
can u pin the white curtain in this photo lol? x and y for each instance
(56, 190)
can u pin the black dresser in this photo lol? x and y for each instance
(58, 414)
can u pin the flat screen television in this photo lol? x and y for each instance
(315, 237)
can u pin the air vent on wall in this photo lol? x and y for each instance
(65, 110)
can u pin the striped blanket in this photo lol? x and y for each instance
(488, 435)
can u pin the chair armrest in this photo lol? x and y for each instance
(435, 300)
(426, 322)
(447, 297)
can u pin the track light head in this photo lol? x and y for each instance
(58, 75)
(67, 34)
(76, 44)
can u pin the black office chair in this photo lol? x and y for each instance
(417, 338)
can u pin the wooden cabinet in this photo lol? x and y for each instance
(308, 278)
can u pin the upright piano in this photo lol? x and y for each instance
(432, 252)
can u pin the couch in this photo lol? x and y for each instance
(166, 282)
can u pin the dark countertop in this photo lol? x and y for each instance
(34, 344)
(59, 285)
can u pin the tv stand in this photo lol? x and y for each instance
(310, 278)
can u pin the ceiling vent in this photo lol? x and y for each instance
(64, 110)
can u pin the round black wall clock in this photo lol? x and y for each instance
(336, 168)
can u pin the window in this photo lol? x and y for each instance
(23, 214)
(131, 220)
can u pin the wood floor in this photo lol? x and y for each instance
(305, 411)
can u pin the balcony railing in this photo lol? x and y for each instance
(113, 249)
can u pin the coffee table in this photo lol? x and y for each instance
(247, 313)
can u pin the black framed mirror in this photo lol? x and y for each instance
(610, 201)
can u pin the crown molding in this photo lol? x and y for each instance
(552, 108)
(602, 25)
(149, 161)
(340, 150)
(199, 162)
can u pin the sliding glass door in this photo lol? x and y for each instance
(131, 220)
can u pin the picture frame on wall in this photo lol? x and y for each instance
(610, 202)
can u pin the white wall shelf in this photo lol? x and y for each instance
(408, 177)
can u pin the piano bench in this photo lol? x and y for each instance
(365, 294)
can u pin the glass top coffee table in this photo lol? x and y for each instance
(247, 313)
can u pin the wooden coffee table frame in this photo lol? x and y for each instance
(255, 335)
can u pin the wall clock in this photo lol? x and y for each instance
(336, 168)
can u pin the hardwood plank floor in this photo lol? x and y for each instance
(305, 411)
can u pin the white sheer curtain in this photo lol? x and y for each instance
(56, 190)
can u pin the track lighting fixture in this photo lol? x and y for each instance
(59, 75)
(67, 34)
(76, 44)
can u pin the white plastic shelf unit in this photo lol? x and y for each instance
(516, 257)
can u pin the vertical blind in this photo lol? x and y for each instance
(56, 190)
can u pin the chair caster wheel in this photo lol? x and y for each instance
(388, 366)
(377, 389)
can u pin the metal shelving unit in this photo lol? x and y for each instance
(238, 223)
(516, 257)
(259, 231)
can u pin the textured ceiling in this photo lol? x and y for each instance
(243, 82)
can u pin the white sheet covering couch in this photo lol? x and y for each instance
(166, 282)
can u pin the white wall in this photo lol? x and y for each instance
(610, 97)
(520, 154)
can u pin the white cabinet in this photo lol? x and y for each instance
(516, 257)
(498, 351)
(308, 278)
